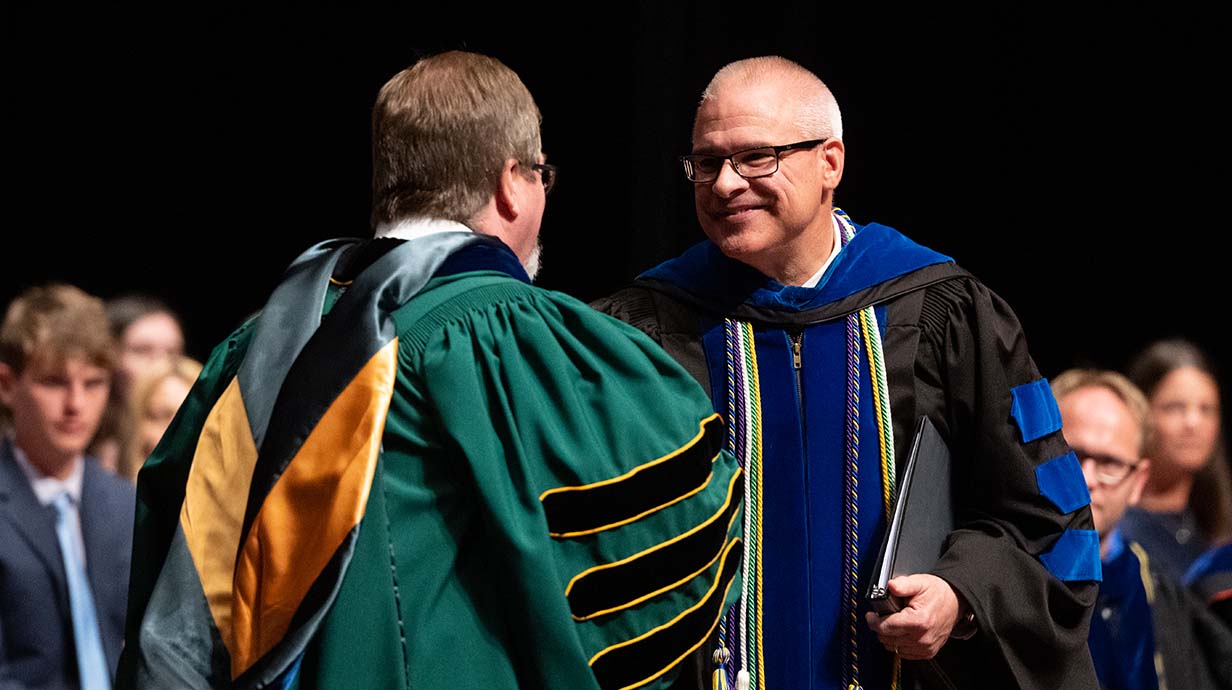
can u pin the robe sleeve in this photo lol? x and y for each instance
(1026, 555)
(161, 485)
(610, 512)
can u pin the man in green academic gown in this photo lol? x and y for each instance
(415, 470)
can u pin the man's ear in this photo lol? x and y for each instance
(834, 156)
(8, 384)
(1139, 481)
(508, 202)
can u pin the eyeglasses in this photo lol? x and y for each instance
(547, 173)
(762, 161)
(1109, 471)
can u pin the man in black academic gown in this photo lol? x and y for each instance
(823, 341)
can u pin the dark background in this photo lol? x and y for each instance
(1075, 163)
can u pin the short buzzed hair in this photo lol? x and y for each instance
(441, 131)
(1120, 386)
(818, 115)
(51, 323)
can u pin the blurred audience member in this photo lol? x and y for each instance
(153, 400)
(1148, 631)
(150, 335)
(66, 525)
(1187, 505)
(148, 331)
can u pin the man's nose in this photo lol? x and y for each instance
(1088, 473)
(728, 182)
(76, 397)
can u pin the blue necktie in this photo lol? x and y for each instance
(91, 661)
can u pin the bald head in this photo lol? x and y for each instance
(815, 114)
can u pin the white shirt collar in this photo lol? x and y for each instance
(47, 488)
(838, 245)
(412, 228)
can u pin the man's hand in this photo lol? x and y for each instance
(924, 624)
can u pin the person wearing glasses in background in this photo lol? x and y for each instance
(452, 479)
(824, 341)
(1148, 630)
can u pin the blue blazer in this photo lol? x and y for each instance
(36, 633)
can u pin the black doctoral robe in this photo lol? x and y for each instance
(1025, 556)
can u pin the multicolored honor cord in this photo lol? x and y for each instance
(739, 658)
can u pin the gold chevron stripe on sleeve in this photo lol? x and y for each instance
(701, 433)
(630, 564)
(323, 489)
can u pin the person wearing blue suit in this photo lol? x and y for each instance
(65, 523)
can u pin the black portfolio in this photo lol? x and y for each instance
(923, 516)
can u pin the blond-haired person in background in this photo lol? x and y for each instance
(66, 525)
(152, 401)
(1148, 631)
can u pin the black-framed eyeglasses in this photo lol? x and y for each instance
(761, 161)
(547, 173)
(1109, 471)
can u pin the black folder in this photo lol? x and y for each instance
(923, 517)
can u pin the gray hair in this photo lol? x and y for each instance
(817, 114)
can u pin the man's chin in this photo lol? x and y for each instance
(736, 243)
(1101, 523)
(71, 450)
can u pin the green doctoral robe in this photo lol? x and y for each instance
(548, 507)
